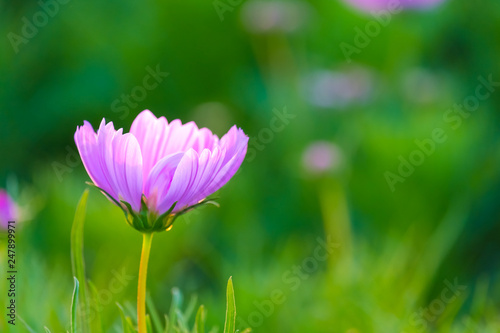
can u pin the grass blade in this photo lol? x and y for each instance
(126, 322)
(74, 305)
(176, 304)
(181, 321)
(190, 307)
(130, 310)
(230, 323)
(130, 325)
(28, 328)
(149, 326)
(167, 325)
(77, 261)
(95, 304)
(199, 322)
(154, 313)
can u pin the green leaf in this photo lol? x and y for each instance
(95, 303)
(127, 325)
(176, 304)
(130, 325)
(190, 307)
(74, 305)
(154, 314)
(149, 327)
(137, 221)
(77, 260)
(130, 309)
(230, 323)
(25, 324)
(105, 193)
(159, 223)
(167, 325)
(46, 329)
(201, 203)
(199, 322)
(181, 320)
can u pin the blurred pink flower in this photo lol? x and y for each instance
(339, 89)
(158, 163)
(321, 157)
(8, 209)
(420, 85)
(377, 5)
(277, 16)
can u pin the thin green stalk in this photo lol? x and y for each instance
(141, 289)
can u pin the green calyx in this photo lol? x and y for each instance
(147, 221)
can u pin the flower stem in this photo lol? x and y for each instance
(141, 289)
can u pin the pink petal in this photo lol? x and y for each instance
(150, 132)
(233, 141)
(159, 139)
(228, 170)
(379, 5)
(182, 180)
(86, 142)
(112, 160)
(127, 162)
(206, 140)
(208, 164)
(160, 179)
(8, 209)
(213, 169)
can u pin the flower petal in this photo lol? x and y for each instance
(86, 142)
(112, 160)
(127, 162)
(8, 209)
(182, 181)
(150, 132)
(160, 179)
(159, 139)
(206, 171)
(229, 169)
(235, 142)
(213, 169)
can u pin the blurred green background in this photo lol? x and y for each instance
(397, 247)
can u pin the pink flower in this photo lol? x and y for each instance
(321, 157)
(377, 5)
(8, 209)
(263, 17)
(159, 164)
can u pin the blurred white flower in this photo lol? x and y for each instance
(339, 89)
(277, 16)
(321, 157)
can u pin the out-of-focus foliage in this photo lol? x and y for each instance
(349, 249)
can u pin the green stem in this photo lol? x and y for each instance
(141, 289)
